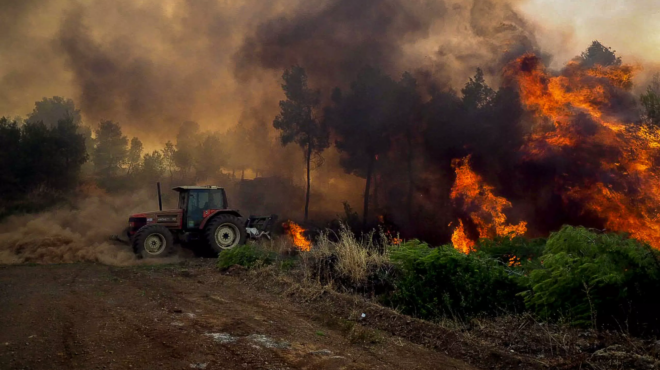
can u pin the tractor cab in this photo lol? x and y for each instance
(199, 202)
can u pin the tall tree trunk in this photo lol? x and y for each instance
(365, 212)
(410, 177)
(309, 157)
(377, 182)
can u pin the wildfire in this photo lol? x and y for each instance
(460, 240)
(484, 208)
(295, 231)
(581, 104)
(388, 229)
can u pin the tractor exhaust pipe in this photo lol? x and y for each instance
(160, 198)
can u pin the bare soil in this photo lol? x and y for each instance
(184, 316)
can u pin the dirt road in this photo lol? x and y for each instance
(91, 316)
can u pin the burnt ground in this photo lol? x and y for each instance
(91, 316)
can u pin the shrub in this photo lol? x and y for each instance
(516, 251)
(249, 255)
(596, 279)
(445, 282)
(348, 263)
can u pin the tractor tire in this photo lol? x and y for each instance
(225, 232)
(153, 241)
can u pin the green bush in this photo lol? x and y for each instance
(435, 282)
(594, 279)
(249, 255)
(522, 250)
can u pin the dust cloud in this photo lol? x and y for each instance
(77, 233)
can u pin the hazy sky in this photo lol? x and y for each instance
(566, 27)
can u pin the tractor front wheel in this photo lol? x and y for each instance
(153, 241)
(225, 232)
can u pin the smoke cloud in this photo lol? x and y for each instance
(152, 65)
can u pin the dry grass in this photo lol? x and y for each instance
(282, 245)
(354, 259)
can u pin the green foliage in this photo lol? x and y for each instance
(365, 120)
(249, 255)
(186, 140)
(37, 156)
(50, 110)
(111, 149)
(597, 53)
(153, 167)
(134, 155)
(435, 282)
(209, 156)
(297, 121)
(288, 264)
(476, 93)
(596, 279)
(651, 101)
(523, 250)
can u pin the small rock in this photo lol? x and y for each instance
(222, 337)
(267, 342)
(185, 273)
(323, 352)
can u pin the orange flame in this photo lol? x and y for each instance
(630, 199)
(295, 231)
(460, 240)
(485, 209)
(391, 237)
(514, 261)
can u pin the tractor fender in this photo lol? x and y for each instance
(214, 213)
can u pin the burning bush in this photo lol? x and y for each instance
(436, 282)
(596, 279)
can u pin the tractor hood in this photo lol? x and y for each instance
(172, 218)
(155, 214)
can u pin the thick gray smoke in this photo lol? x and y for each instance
(153, 64)
(447, 40)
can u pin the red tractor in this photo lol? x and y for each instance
(203, 214)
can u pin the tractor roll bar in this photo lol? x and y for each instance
(160, 198)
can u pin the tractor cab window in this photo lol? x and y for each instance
(200, 201)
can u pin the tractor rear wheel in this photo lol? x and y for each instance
(225, 232)
(153, 241)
